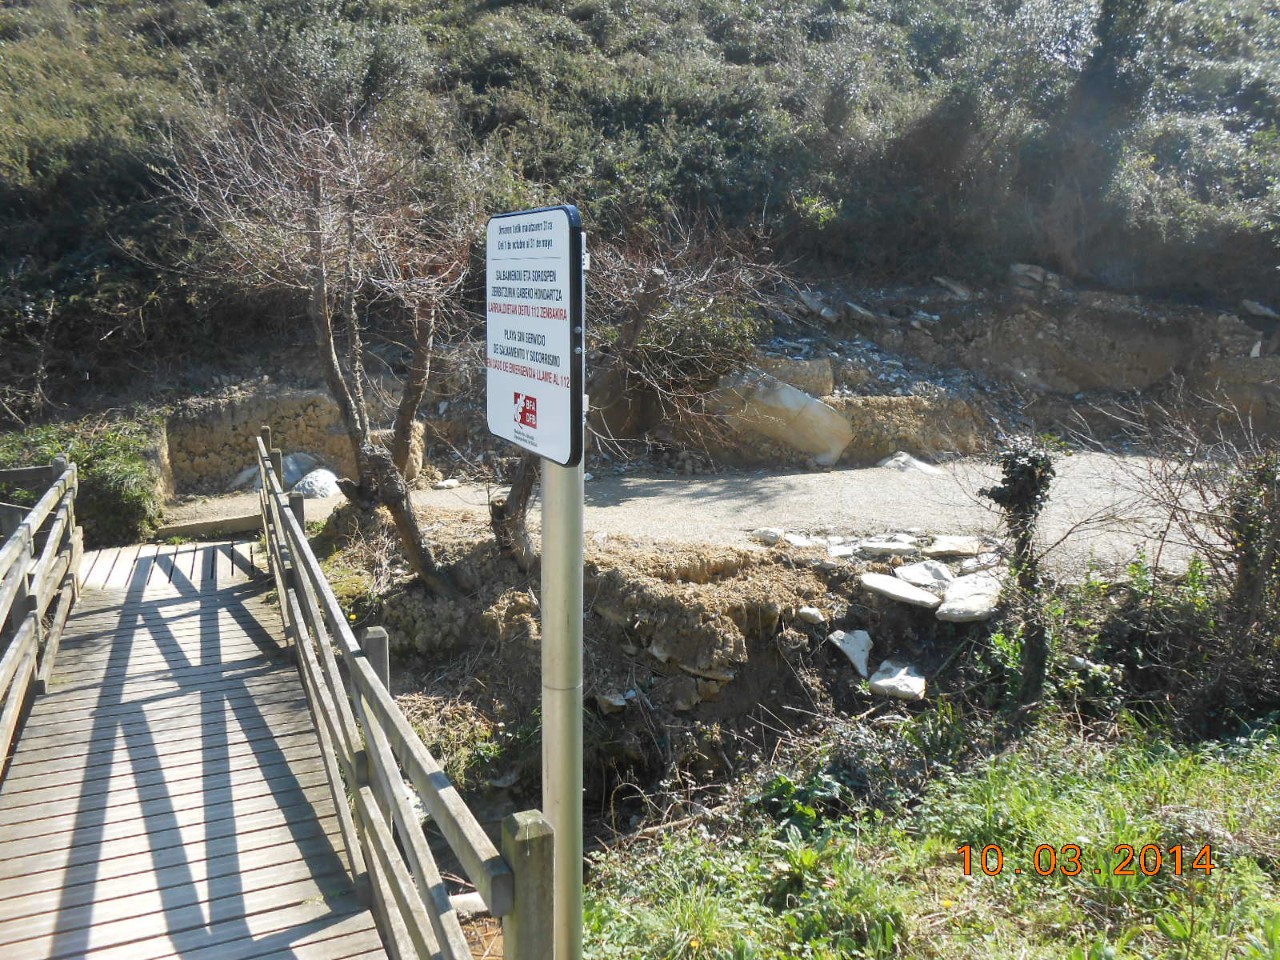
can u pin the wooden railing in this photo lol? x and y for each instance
(39, 570)
(371, 750)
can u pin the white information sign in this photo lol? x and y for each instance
(533, 320)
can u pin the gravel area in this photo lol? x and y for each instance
(1097, 509)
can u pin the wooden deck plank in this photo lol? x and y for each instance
(168, 797)
(143, 790)
(70, 726)
(247, 562)
(185, 813)
(257, 936)
(267, 707)
(124, 855)
(99, 882)
(84, 705)
(142, 756)
(121, 576)
(80, 930)
(170, 657)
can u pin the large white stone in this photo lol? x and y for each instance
(900, 590)
(905, 463)
(856, 646)
(755, 403)
(811, 615)
(900, 680)
(929, 574)
(1256, 309)
(894, 545)
(945, 547)
(767, 535)
(451, 484)
(983, 561)
(318, 484)
(971, 598)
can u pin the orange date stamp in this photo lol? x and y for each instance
(1066, 860)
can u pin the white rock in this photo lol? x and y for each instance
(812, 301)
(983, 561)
(895, 545)
(611, 702)
(856, 646)
(948, 546)
(900, 680)
(767, 535)
(971, 598)
(1256, 309)
(451, 484)
(899, 590)
(797, 540)
(811, 615)
(1081, 665)
(296, 466)
(904, 462)
(957, 290)
(586, 477)
(757, 404)
(841, 550)
(318, 484)
(857, 311)
(929, 574)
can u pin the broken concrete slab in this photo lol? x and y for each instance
(899, 680)
(929, 574)
(895, 589)
(971, 598)
(855, 645)
(758, 404)
(948, 547)
(893, 545)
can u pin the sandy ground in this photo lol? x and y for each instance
(1097, 507)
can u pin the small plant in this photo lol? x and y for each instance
(1026, 467)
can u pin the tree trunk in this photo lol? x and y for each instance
(394, 495)
(321, 323)
(509, 516)
(415, 388)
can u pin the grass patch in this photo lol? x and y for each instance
(893, 885)
(119, 500)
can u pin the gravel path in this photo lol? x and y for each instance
(1096, 509)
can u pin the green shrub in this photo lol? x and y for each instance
(119, 500)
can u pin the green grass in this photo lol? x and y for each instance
(893, 885)
(119, 499)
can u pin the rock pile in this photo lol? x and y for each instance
(958, 578)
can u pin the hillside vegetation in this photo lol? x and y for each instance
(1128, 143)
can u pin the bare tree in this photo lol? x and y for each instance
(291, 199)
(669, 312)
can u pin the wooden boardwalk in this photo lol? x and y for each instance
(167, 796)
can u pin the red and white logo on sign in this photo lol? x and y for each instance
(526, 410)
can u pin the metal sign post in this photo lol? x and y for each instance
(535, 375)
(562, 694)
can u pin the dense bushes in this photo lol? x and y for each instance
(119, 498)
(1132, 143)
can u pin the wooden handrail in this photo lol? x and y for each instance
(370, 751)
(39, 563)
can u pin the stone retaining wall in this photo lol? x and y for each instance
(210, 441)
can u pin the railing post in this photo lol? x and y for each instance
(277, 464)
(264, 432)
(22, 604)
(298, 505)
(377, 650)
(528, 848)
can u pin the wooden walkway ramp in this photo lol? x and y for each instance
(167, 797)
